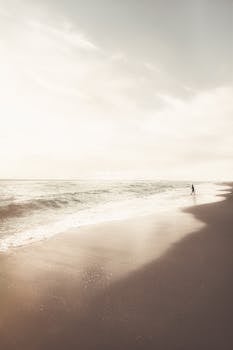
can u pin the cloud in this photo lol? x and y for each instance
(87, 109)
(66, 34)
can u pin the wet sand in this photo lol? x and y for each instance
(148, 283)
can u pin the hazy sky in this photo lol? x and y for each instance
(107, 88)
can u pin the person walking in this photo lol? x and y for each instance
(193, 190)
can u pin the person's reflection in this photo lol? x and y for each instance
(194, 198)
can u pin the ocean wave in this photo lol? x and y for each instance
(23, 208)
(10, 209)
(83, 198)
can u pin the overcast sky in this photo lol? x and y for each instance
(116, 89)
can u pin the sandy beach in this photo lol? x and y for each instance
(156, 282)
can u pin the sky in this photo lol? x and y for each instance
(116, 89)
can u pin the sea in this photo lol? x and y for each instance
(34, 210)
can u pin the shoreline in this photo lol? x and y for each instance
(80, 291)
(113, 212)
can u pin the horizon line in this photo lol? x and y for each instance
(109, 179)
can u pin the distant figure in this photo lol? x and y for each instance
(193, 190)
